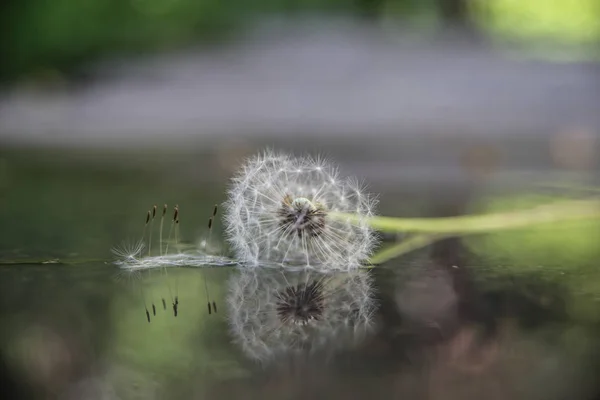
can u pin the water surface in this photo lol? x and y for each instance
(454, 320)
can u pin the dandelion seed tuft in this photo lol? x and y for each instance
(129, 251)
(132, 257)
(279, 209)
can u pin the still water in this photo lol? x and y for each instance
(512, 317)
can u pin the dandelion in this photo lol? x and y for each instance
(281, 209)
(275, 312)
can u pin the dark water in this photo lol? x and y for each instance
(509, 318)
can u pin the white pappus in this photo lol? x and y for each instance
(291, 211)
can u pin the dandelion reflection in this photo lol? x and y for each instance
(275, 313)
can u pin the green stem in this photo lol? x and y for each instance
(548, 213)
(405, 246)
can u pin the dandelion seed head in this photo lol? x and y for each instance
(278, 210)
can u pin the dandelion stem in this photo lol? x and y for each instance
(406, 246)
(572, 210)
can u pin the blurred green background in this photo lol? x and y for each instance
(74, 325)
(45, 38)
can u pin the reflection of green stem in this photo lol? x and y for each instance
(556, 212)
(57, 261)
(406, 246)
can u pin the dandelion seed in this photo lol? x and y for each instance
(275, 312)
(175, 215)
(278, 210)
(133, 263)
(129, 251)
(151, 231)
(162, 218)
(130, 258)
(206, 244)
(192, 259)
(207, 294)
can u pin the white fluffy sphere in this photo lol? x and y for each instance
(279, 209)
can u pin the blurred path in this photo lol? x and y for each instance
(336, 81)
